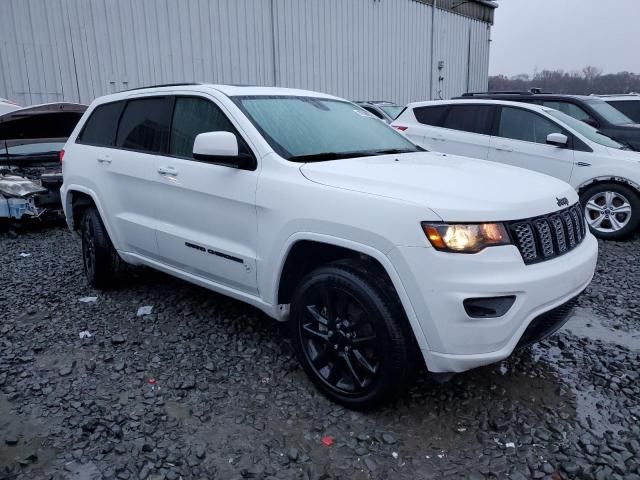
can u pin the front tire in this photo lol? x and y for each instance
(100, 260)
(612, 210)
(350, 334)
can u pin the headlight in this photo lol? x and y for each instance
(465, 238)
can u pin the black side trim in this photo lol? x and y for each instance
(214, 252)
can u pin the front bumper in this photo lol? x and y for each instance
(437, 283)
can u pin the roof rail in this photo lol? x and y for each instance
(630, 94)
(186, 84)
(531, 91)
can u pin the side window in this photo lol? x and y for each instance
(470, 118)
(519, 124)
(193, 116)
(144, 125)
(373, 111)
(430, 115)
(631, 108)
(570, 109)
(100, 129)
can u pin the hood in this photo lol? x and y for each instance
(626, 155)
(14, 186)
(457, 189)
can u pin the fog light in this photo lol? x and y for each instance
(488, 307)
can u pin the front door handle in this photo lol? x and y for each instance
(105, 159)
(172, 171)
(504, 149)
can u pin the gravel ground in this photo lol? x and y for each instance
(207, 387)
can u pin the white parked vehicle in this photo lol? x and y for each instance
(312, 210)
(628, 103)
(605, 173)
(7, 106)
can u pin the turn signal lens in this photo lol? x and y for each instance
(465, 238)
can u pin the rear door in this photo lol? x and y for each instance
(521, 140)
(207, 212)
(115, 152)
(143, 133)
(466, 130)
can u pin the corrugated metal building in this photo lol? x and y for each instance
(76, 50)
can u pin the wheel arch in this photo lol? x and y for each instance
(327, 249)
(76, 199)
(608, 179)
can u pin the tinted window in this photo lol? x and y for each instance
(102, 125)
(469, 118)
(430, 115)
(373, 111)
(631, 108)
(191, 117)
(144, 125)
(524, 125)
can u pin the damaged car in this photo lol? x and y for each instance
(31, 140)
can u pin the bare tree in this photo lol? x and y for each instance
(589, 80)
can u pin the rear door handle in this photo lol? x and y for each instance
(105, 159)
(504, 149)
(172, 171)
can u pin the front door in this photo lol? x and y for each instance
(207, 214)
(521, 141)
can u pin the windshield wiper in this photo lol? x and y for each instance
(321, 157)
(392, 151)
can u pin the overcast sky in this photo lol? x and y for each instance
(565, 34)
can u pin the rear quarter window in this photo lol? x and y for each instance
(430, 115)
(100, 129)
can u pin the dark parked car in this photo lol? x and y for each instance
(385, 111)
(589, 109)
(31, 139)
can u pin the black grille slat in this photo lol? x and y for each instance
(571, 233)
(526, 241)
(546, 240)
(549, 236)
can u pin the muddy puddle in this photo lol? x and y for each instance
(23, 442)
(586, 323)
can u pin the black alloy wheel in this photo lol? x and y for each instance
(351, 335)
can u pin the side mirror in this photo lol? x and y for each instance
(220, 148)
(557, 139)
(591, 122)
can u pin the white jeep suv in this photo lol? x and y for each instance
(312, 210)
(605, 173)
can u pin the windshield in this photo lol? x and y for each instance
(585, 130)
(392, 110)
(315, 129)
(609, 113)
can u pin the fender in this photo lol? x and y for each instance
(68, 209)
(609, 178)
(381, 257)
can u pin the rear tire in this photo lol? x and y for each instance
(612, 210)
(100, 260)
(351, 336)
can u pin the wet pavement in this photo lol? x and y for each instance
(207, 387)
